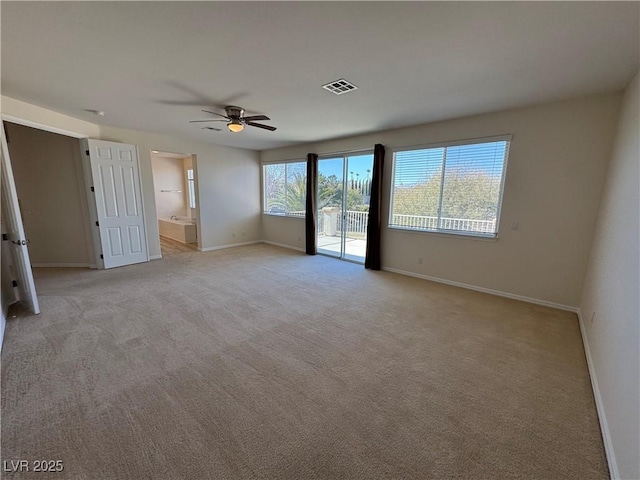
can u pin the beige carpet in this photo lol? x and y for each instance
(259, 362)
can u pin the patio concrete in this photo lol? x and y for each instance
(355, 248)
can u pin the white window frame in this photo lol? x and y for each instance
(262, 186)
(191, 187)
(439, 231)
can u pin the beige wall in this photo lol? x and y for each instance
(286, 231)
(26, 111)
(48, 176)
(611, 292)
(554, 179)
(228, 178)
(168, 174)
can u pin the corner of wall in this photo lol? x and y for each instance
(602, 416)
(609, 292)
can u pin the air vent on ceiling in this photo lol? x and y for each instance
(340, 86)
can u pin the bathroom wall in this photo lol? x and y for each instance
(169, 186)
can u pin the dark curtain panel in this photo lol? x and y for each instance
(372, 259)
(312, 210)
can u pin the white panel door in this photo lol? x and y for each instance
(118, 196)
(15, 231)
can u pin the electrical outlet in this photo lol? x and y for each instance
(299, 238)
(420, 261)
(233, 234)
(243, 234)
(514, 226)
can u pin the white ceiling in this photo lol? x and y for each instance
(415, 62)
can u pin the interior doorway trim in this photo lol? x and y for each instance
(42, 126)
(161, 152)
(46, 128)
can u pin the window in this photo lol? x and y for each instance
(285, 188)
(192, 188)
(452, 188)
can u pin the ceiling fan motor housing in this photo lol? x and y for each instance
(234, 112)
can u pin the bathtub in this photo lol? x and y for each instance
(182, 229)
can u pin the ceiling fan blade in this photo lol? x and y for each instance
(214, 113)
(183, 104)
(256, 117)
(214, 120)
(212, 128)
(260, 125)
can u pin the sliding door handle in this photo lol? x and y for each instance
(20, 242)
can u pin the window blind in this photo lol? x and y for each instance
(452, 188)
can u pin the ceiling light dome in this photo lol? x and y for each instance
(235, 126)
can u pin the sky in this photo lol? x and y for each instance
(356, 164)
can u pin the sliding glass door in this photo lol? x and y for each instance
(344, 189)
(330, 206)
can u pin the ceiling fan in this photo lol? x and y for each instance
(236, 120)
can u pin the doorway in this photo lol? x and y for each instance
(344, 193)
(49, 180)
(175, 189)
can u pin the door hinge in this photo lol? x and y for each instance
(87, 152)
(102, 256)
(97, 224)
(5, 236)
(93, 189)
(14, 283)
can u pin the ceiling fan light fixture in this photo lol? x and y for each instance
(235, 119)
(235, 126)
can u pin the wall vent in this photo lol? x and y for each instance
(340, 86)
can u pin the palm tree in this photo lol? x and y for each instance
(295, 195)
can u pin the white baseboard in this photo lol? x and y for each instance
(284, 245)
(155, 257)
(231, 245)
(602, 417)
(522, 298)
(62, 265)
